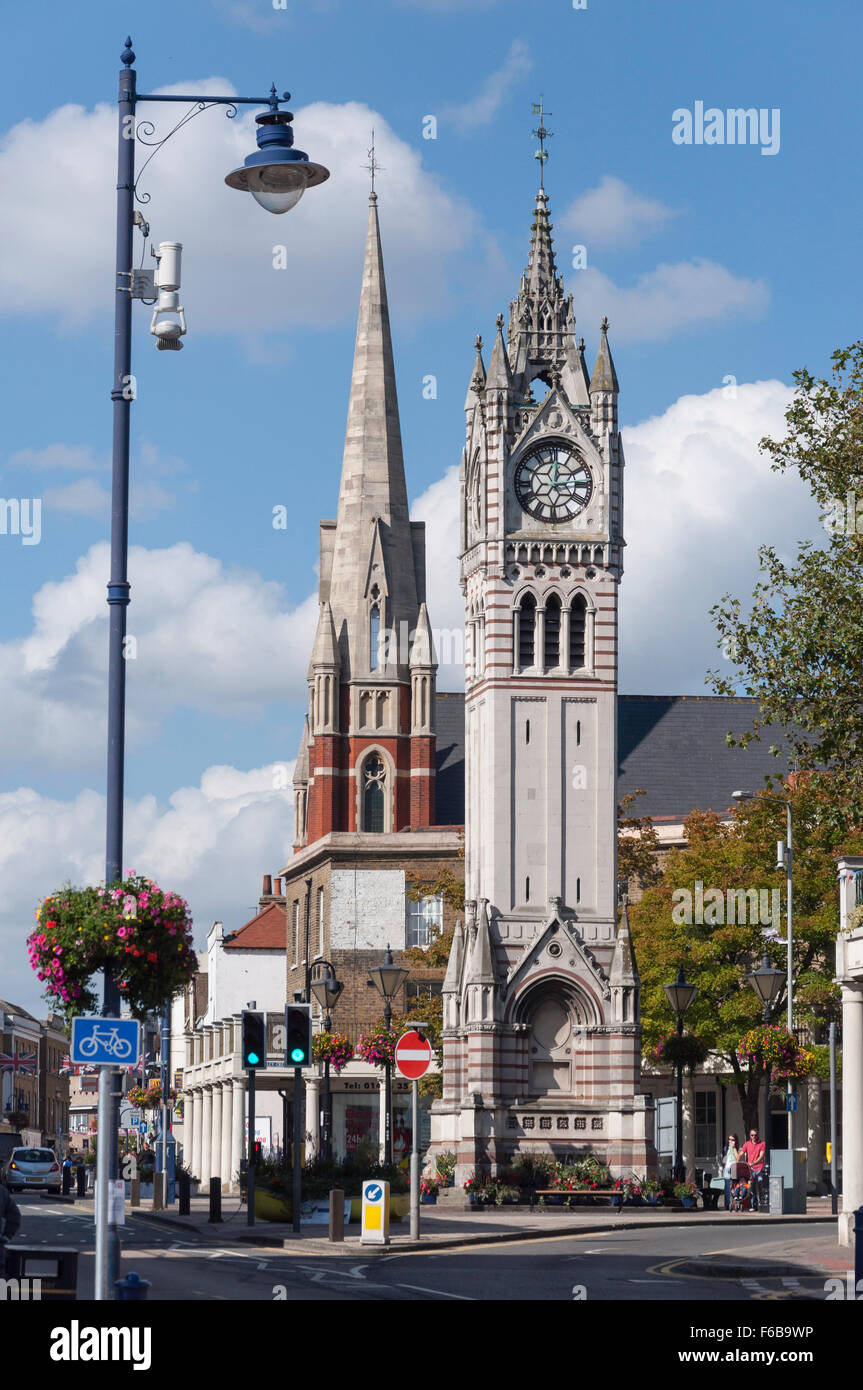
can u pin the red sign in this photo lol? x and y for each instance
(413, 1055)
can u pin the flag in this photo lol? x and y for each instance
(23, 1062)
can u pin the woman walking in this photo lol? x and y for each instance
(732, 1154)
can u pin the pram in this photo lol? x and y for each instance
(741, 1187)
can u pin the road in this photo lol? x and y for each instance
(630, 1265)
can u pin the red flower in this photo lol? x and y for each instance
(151, 955)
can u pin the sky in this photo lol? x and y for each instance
(722, 268)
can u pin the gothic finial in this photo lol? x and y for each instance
(274, 96)
(604, 325)
(127, 55)
(373, 166)
(581, 345)
(478, 343)
(499, 320)
(541, 135)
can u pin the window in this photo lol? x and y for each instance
(552, 632)
(705, 1124)
(577, 626)
(423, 919)
(374, 637)
(296, 931)
(422, 989)
(320, 921)
(373, 784)
(526, 630)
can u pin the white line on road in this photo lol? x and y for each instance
(438, 1293)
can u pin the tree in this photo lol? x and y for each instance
(435, 956)
(799, 648)
(726, 873)
(637, 844)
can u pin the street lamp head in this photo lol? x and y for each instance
(388, 977)
(766, 981)
(276, 174)
(743, 796)
(680, 995)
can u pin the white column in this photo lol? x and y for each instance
(206, 1135)
(852, 1108)
(197, 1129)
(227, 1120)
(815, 1134)
(188, 1129)
(382, 1122)
(689, 1123)
(216, 1126)
(238, 1127)
(313, 1115)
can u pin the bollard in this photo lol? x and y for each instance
(132, 1288)
(215, 1199)
(67, 1179)
(135, 1192)
(858, 1248)
(184, 1192)
(337, 1213)
(158, 1191)
(81, 1181)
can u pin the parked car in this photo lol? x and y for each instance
(33, 1168)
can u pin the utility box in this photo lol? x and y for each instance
(790, 1166)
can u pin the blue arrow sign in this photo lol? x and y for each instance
(791, 1102)
(374, 1192)
(106, 1041)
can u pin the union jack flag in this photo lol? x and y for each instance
(23, 1062)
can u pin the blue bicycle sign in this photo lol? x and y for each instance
(105, 1041)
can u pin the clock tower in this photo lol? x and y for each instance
(541, 1000)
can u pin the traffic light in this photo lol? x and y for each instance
(298, 1035)
(254, 1039)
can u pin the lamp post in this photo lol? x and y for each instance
(387, 980)
(784, 859)
(326, 990)
(276, 175)
(680, 995)
(767, 983)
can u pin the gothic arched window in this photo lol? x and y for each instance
(373, 792)
(577, 633)
(552, 632)
(374, 637)
(527, 631)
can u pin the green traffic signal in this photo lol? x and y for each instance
(254, 1038)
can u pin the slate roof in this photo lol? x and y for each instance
(672, 746)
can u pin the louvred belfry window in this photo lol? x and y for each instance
(526, 630)
(577, 626)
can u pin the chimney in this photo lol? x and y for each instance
(278, 886)
(267, 891)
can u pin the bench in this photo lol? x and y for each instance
(608, 1192)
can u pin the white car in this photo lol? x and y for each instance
(33, 1168)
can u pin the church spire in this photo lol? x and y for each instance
(372, 547)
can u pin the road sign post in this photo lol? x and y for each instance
(413, 1055)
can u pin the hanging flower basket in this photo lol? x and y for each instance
(150, 1098)
(135, 927)
(772, 1046)
(378, 1047)
(334, 1048)
(673, 1050)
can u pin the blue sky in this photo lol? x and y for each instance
(712, 262)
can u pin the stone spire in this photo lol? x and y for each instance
(624, 970)
(301, 767)
(372, 545)
(481, 970)
(604, 376)
(325, 652)
(541, 333)
(499, 371)
(477, 381)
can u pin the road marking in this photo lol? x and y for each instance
(262, 1264)
(438, 1293)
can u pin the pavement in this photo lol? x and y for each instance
(805, 1244)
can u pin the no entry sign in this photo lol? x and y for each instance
(413, 1056)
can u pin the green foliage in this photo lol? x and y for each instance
(318, 1177)
(637, 844)
(717, 955)
(799, 648)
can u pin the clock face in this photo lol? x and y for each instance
(552, 482)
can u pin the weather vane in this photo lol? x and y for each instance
(541, 134)
(373, 166)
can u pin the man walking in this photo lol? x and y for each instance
(753, 1152)
(10, 1221)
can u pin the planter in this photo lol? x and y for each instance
(653, 1201)
(687, 1203)
(272, 1206)
(428, 1199)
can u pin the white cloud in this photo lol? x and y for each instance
(69, 456)
(613, 214)
(208, 844)
(667, 300)
(438, 507)
(230, 283)
(84, 497)
(700, 500)
(199, 629)
(497, 88)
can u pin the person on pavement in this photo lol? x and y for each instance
(753, 1152)
(732, 1155)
